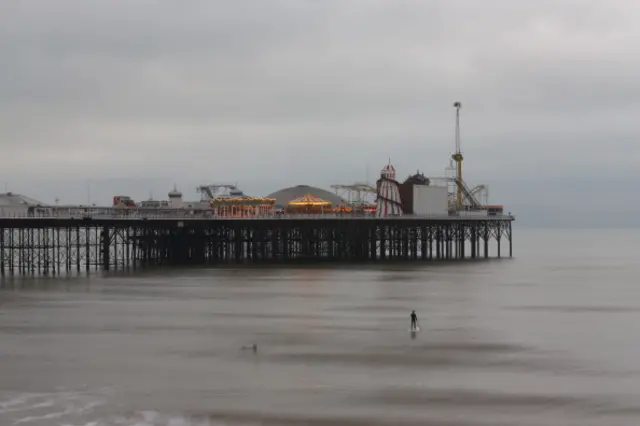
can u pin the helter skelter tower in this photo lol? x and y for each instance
(388, 202)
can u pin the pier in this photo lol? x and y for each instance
(62, 245)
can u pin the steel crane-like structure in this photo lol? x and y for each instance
(457, 156)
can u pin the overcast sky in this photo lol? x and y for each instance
(137, 95)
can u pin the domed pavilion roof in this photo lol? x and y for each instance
(285, 196)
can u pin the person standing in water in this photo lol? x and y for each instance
(414, 320)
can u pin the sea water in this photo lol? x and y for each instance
(546, 338)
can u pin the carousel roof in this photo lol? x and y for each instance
(309, 199)
(286, 195)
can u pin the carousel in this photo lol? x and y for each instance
(228, 200)
(309, 204)
(241, 206)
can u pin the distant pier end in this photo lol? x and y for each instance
(64, 245)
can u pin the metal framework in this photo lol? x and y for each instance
(472, 198)
(216, 189)
(355, 193)
(57, 246)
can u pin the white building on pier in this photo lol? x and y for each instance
(17, 205)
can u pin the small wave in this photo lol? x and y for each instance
(15, 403)
(69, 410)
(77, 408)
(20, 404)
(43, 408)
(154, 418)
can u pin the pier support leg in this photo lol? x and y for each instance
(462, 241)
(240, 244)
(474, 236)
(445, 243)
(253, 241)
(127, 242)
(106, 246)
(58, 250)
(87, 249)
(486, 240)
(77, 248)
(499, 236)
(510, 241)
(145, 246)
(2, 252)
(373, 243)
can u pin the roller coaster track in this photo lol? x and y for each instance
(468, 194)
(480, 193)
(212, 190)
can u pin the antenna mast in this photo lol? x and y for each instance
(457, 156)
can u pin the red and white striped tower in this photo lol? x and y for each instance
(388, 202)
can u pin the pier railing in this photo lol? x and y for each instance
(191, 215)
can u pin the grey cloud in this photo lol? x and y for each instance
(313, 91)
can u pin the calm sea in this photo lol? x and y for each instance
(547, 338)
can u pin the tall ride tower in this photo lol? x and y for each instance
(457, 156)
